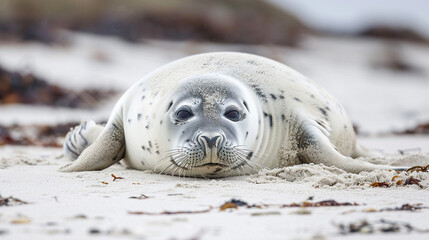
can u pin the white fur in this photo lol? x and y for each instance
(299, 121)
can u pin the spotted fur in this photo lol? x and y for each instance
(285, 119)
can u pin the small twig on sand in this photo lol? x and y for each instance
(115, 177)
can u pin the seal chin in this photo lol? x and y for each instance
(213, 170)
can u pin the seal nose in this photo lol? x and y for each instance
(211, 142)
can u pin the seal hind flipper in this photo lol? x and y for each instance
(80, 137)
(315, 147)
(107, 149)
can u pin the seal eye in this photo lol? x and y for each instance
(184, 114)
(233, 115)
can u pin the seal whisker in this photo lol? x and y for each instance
(241, 162)
(244, 169)
(178, 166)
(240, 171)
(254, 157)
(171, 165)
(240, 168)
(258, 155)
(174, 170)
(174, 162)
(252, 164)
(170, 155)
(165, 169)
(173, 150)
(182, 161)
(183, 171)
(165, 159)
(254, 167)
(158, 165)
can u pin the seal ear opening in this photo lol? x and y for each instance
(107, 149)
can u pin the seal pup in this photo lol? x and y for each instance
(220, 114)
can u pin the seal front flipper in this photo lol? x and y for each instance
(315, 147)
(107, 149)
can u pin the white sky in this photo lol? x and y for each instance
(353, 15)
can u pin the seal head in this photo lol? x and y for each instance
(210, 127)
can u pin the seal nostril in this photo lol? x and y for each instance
(211, 142)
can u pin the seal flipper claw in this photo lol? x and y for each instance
(107, 149)
(315, 147)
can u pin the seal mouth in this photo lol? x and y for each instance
(212, 165)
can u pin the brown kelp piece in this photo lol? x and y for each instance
(380, 184)
(11, 201)
(411, 180)
(325, 203)
(418, 169)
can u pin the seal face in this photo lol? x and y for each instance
(220, 114)
(208, 128)
(209, 124)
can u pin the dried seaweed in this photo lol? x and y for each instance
(325, 203)
(175, 194)
(380, 184)
(411, 180)
(418, 169)
(11, 201)
(170, 212)
(405, 207)
(142, 196)
(258, 214)
(390, 32)
(27, 88)
(382, 225)
(233, 203)
(419, 129)
(236, 204)
(228, 205)
(37, 135)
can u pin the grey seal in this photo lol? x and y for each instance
(220, 114)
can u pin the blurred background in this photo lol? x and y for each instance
(65, 61)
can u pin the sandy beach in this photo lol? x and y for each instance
(297, 202)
